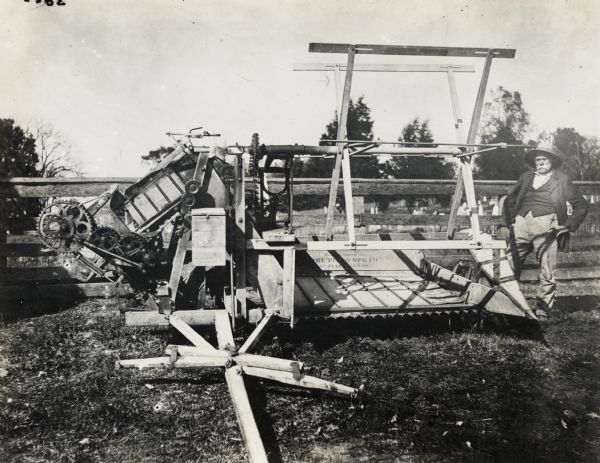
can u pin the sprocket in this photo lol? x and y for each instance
(64, 225)
(105, 238)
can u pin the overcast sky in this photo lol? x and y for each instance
(114, 75)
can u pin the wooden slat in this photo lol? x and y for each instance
(156, 319)
(348, 299)
(388, 298)
(342, 299)
(315, 295)
(407, 292)
(370, 49)
(300, 299)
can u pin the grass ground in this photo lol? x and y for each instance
(436, 391)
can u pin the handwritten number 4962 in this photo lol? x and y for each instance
(50, 2)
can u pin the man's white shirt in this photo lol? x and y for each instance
(540, 179)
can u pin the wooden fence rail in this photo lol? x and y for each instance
(29, 272)
(29, 187)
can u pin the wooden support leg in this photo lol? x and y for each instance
(467, 175)
(239, 395)
(289, 283)
(471, 138)
(306, 381)
(239, 253)
(245, 416)
(167, 362)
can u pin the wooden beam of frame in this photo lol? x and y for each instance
(402, 245)
(384, 67)
(341, 134)
(471, 137)
(410, 50)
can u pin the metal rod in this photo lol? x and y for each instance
(435, 143)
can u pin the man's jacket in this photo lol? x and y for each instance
(561, 191)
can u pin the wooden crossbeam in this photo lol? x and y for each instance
(410, 50)
(252, 360)
(189, 333)
(257, 334)
(224, 333)
(226, 358)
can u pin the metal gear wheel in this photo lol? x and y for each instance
(105, 238)
(64, 226)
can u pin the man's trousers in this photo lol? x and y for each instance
(536, 234)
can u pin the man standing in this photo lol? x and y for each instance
(536, 213)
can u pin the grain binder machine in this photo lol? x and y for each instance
(205, 239)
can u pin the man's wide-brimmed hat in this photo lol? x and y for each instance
(550, 151)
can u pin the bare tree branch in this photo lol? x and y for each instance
(54, 154)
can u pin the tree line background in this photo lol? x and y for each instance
(40, 151)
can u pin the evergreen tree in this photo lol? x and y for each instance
(18, 158)
(415, 166)
(359, 127)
